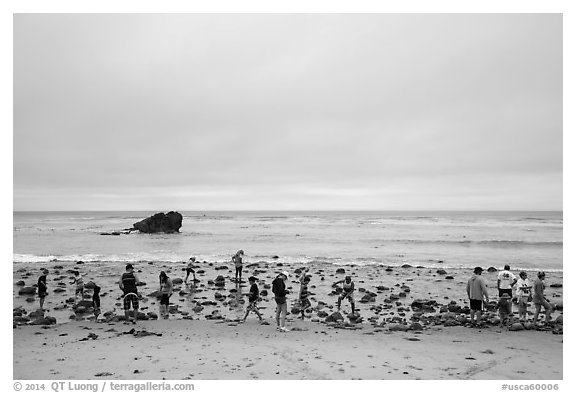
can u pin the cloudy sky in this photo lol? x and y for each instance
(279, 111)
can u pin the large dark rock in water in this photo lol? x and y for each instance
(168, 223)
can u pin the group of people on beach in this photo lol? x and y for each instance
(524, 293)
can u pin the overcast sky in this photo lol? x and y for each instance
(245, 111)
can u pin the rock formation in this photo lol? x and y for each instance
(168, 223)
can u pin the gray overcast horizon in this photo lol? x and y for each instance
(287, 112)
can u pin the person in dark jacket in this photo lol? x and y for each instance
(280, 292)
(42, 288)
(129, 286)
(96, 301)
(253, 298)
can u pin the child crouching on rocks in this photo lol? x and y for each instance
(253, 298)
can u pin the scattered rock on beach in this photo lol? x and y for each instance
(441, 271)
(27, 291)
(334, 317)
(340, 271)
(44, 321)
(20, 283)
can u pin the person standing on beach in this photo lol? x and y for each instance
(539, 298)
(129, 286)
(347, 291)
(190, 269)
(253, 298)
(280, 292)
(79, 281)
(166, 291)
(506, 280)
(303, 294)
(96, 301)
(523, 294)
(477, 293)
(504, 309)
(237, 259)
(42, 288)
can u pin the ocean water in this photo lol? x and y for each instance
(525, 240)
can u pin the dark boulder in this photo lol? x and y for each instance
(441, 271)
(44, 321)
(340, 271)
(36, 314)
(334, 317)
(20, 283)
(27, 291)
(168, 223)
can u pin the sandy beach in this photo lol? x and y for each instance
(412, 325)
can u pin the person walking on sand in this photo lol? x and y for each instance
(96, 301)
(477, 293)
(237, 259)
(42, 288)
(253, 298)
(190, 269)
(166, 288)
(523, 294)
(506, 280)
(539, 298)
(79, 281)
(347, 291)
(280, 292)
(129, 286)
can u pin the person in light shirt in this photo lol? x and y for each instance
(506, 280)
(523, 294)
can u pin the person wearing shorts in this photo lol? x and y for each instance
(477, 293)
(347, 292)
(129, 286)
(79, 281)
(280, 292)
(237, 259)
(190, 269)
(253, 298)
(506, 280)
(166, 291)
(523, 294)
(539, 298)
